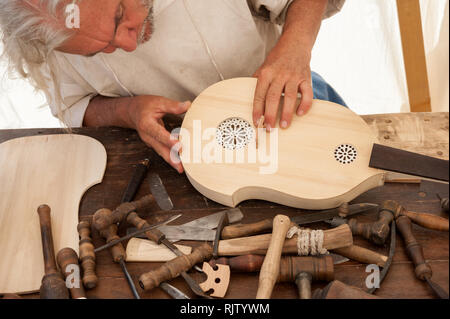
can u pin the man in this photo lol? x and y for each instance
(130, 62)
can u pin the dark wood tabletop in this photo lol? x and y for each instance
(425, 132)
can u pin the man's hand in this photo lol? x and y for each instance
(287, 67)
(142, 113)
(287, 70)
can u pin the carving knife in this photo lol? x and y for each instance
(159, 192)
(243, 230)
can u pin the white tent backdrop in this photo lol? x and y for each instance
(358, 51)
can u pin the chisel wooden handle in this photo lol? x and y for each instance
(103, 218)
(67, 260)
(110, 234)
(271, 265)
(175, 267)
(376, 232)
(362, 254)
(241, 230)
(154, 234)
(415, 252)
(244, 263)
(53, 286)
(337, 237)
(427, 220)
(87, 255)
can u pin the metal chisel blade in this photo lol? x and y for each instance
(159, 192)
(175, 233)
(312, 217)
(212, 221)
(338, 259)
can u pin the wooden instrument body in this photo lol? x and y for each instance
(55, 170)
(295, 167)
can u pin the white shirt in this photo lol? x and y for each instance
(195, 43)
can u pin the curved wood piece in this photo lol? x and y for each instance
(52, 169)
(301, 171)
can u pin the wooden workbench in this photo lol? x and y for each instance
(425, 133)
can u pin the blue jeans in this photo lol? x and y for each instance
(323, 91)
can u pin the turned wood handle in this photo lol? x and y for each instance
(87, 255)
(153, 234)
(376, 232)
(320, 268)
(67, 260)
(236, 231)
(175, 267)
(415, 252)
(271, 265)
(244, 263)
(427, 220)
(362, 254)
(110, 234)
(103, 218)
(53, 286)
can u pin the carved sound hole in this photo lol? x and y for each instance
(234, 133)
(345, 153)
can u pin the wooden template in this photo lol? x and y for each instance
(52, 169)
(148, 251)
(322, 159)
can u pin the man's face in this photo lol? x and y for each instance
(106, 25)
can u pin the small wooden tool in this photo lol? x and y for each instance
(118, 253)
(68, 257)
(339, 290)
(362, 255)
(87, 255)
(333, 238)
(422, 269)
(53, 286)
(103, 218)
(175, 267)
(271, 265)
(217, 281)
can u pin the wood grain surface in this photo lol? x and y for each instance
(425, 133)
(55, 170)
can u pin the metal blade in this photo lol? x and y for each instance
(175, 233)
(212, 221)
(136, 233)
(172, 291)
(338, 259)
(159, 192)
(336, 221)
(312, 217)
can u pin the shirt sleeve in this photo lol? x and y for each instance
(276, 10)
(74, 96)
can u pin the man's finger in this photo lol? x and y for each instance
(174, 107)
(159, 133)
(289, 105)
(272, 103)
(307, 97)
(259, 98)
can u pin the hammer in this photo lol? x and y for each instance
(53, 286)
(301, 270)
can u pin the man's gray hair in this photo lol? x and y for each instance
(30, 33)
